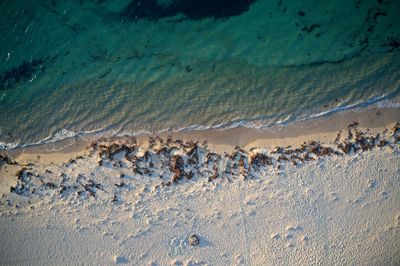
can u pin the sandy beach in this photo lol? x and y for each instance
(212, 132)
(323, 192)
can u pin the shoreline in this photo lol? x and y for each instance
(323, 129)
(142, 200)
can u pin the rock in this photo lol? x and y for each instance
(4, 159)
(177, 167)
(194, 240)
(215, 175)
(260, 159)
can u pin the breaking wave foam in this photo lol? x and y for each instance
(384, 101)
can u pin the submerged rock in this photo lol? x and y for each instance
(24, 72)
(194, 10)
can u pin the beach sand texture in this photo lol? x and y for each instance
(138, 203)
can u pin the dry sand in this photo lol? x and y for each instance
(335, 210)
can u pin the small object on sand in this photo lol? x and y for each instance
(122, 184)
(116, 199)
(120, 260)
(194, 240)
(353, 125)
(7, 160)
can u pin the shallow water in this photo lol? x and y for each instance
(123, 67)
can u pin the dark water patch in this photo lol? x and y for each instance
(378, 14)
(322, 62)
(148, 10)
(301, 13)
(374, 13)
(392, 44)
(22, 73)
(194, 10)
(188, 69)
(284, 9)
(310, 28)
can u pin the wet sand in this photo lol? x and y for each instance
(322, 129)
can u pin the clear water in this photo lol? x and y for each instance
(124, 67)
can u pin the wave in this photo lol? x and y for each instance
(383, 101)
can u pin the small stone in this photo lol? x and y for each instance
(275, 236)
(288, 236)
(289, 245)
(120, 260)
(194, 240)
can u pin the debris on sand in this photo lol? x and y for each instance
(172, 161)
(194, 240)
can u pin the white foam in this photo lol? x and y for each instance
(8, 146)
(380, 101)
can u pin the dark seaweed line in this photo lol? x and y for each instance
(189, 160)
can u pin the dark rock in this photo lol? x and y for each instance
(278, 150)
(212, 157)
(215, 175)
(177, 167)
(193, 156)
(194, 240)
(307, 157)
(92, 187)
(346, 147)
(190, 175)
(115, 199)
(282, 158)
(260, 159)
(50, 185)
(242, 167)
(353, 125)
(295, 157)
(122, 184)
(7, 160)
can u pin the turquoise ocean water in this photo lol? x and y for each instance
(70, 68)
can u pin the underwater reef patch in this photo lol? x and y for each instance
(194, 10)
(21, 73)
